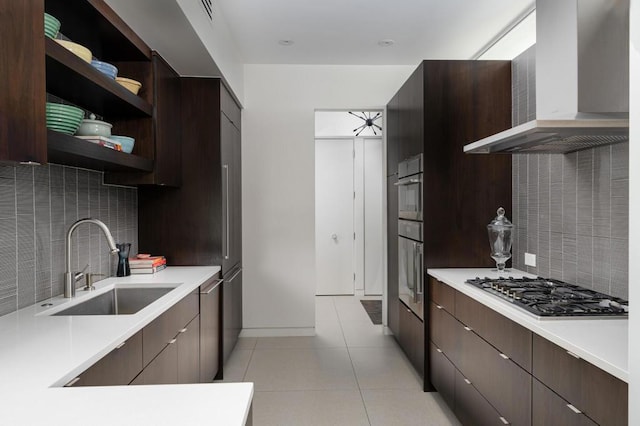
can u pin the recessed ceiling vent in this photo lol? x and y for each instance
(207, 5)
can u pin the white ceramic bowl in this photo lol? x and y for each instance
(94, 127)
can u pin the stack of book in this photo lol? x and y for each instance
(147, 265)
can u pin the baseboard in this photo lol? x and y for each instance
(278, 332)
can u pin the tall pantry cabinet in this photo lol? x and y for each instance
(440, 108)
(199, 223)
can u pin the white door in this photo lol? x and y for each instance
(334, 216)
(373, 219)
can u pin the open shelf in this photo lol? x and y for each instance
(96, 26)
(74, 80)
(71, 151)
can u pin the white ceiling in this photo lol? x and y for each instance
(348, 31)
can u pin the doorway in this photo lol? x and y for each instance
(349, 205)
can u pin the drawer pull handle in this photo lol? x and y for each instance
(439, 350)
(172, 341)
(467, 328)
(503, 420)
(467, 381)
(72, 382)
(574, 409)
(504, 356)
(573, 355)
(184, 330)
(121, 345)
(438, 306)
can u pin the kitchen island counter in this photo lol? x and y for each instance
(602, 342)
(40, 353)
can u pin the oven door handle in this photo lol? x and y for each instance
(408, 181)
(419, 273)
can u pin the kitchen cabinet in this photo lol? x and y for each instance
(199, 223)
(597, 394)
(163, 91)
(550, 409)
(232, 312)
(505, 385)
(163, 369)
(118, 367)
(393, 135)
(443, 374)
(441, 106)
(23, 133)
(188, 346)
(471, 408)
(411, 337)
(36, 67)
(392, 254)
(167, 326)
(505, 372)
(210, 327)
(502, 333)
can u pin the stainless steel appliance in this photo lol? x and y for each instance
(410, 265)
(410, 188)
(549, 298)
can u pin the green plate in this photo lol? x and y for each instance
(63, 130)
(63, 116)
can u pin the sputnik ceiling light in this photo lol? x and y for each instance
(369, 122)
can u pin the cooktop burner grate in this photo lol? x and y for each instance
(545, 297)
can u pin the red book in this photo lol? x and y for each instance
(147, 262)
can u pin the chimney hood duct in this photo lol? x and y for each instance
(582, 80)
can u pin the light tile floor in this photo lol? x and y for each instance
(350, 373)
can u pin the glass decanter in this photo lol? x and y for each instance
(500, 230)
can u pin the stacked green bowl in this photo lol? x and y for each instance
(51, 26)
(63, 118)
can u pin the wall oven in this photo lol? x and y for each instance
(410, 266)
(410, 188)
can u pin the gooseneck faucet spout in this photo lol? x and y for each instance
(70, 277)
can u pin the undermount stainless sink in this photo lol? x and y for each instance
(118, 301)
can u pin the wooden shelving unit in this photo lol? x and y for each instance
(76, 81)
(71, 151)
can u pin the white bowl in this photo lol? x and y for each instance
(94, 127)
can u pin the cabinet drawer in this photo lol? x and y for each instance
(506, 335)
(470, 407)
(118, 367)
(497, 378)
(598, 394)
(550, 409)
(443, 328)
(443, 374)
(442, 294)
(158, 333)
(162, 370)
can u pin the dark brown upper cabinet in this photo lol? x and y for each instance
(163, 131)
(34, 66)
(23, 133)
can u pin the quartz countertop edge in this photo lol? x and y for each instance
(602, 342)
(39, 353)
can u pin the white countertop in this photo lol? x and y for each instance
(40, 353)
(602, 342)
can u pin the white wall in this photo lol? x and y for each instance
(278, 181)
(634, 215)
(218, 41)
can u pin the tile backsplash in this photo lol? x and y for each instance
(571, 211)
(37, 206)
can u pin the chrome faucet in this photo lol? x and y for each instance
(71, 278)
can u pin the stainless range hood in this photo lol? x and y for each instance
(582, 80)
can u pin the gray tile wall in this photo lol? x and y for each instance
(37, 206)
(571, 211)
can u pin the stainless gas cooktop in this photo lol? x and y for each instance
(547, 298)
